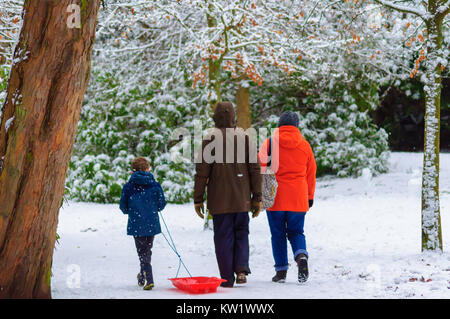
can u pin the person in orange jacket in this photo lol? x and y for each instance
(292, 160)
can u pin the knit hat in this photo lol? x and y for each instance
(288, 118)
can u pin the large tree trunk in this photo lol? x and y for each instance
(41, 112)
(431, 219)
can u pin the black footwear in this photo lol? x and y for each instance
(241, 278)
(227, 284)
(302, 263)
(280, 276)
(141, 279)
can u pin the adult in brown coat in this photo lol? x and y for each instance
(228, 170)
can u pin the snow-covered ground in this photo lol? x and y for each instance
(363, 236)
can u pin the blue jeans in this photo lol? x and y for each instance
(286, 226)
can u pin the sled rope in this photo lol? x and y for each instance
(171, 244)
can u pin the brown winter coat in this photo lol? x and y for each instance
(230, 185)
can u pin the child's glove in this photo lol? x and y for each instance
(256, 208)
(311, 202)
(200, 210)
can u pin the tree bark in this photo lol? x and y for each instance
(244, 119)
(431, 218)
(40, 116)
(215, 83)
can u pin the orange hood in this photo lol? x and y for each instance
(288, 136)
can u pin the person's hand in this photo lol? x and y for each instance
(311, 202)
(256, 208)
(200, 210)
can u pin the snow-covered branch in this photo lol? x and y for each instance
(403, 8)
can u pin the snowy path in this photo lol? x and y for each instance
(363, 237)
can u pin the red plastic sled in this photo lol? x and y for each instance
(197, 285)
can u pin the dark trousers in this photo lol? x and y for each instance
(231, 243)
(144, 246)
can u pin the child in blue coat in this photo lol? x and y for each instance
(142, 199)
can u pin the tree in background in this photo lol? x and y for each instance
(234, 37)
(139, 91)
(434, 58)
(10, 23)
(48, 79)
(150, 76)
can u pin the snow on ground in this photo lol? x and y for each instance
(363, 236)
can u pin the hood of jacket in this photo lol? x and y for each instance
(224, 116)
(142, 178)
(289, 136)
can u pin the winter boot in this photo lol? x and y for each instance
(141, 278)
(280, 276)
(302, 263)
(241, 278)
(149, 286)
(148, 277)
(228, 284)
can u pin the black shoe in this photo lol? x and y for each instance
(302, 263)
(141, 279)
(280, 276)
(227, 284)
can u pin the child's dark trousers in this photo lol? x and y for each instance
(144, 246)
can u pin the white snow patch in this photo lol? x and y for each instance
(8, 123)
